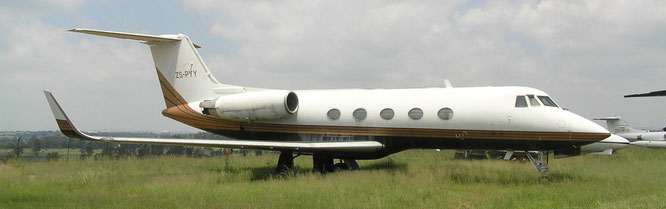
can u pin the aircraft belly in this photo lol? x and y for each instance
(398, 143)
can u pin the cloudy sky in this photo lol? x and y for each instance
(585, 54)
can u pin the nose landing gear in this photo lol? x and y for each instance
(540, 163)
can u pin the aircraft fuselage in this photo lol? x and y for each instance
(427, 118)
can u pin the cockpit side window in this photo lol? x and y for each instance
(547, 101)
(520, 101)
(533, 101)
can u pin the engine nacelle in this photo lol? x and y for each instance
(645, 136)
(252, 106)
(651, 144)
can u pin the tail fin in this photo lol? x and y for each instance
(616, 125)
(183, 75)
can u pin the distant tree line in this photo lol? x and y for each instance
(55, 140)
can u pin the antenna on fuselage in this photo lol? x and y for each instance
(447, 84)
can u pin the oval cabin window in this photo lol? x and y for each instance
(333, 114)
(415, 113)
(445, 113)
(360, 114)
(387, 114)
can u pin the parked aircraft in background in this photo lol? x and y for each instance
(348, 124)
(638, 137)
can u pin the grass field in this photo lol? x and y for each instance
(634, 178)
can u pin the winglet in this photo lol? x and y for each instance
(64, 124)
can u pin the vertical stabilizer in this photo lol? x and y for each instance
(183, 75)
(616, 125)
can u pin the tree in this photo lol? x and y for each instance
(157, 150)
(109, 150)
(127, 150)
(176, 150)
(144, 150)
(19, 149)
(52, 156)
(194, 152)
(6, 145)
(36, 145)
(87, 150)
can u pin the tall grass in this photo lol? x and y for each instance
(634, 178)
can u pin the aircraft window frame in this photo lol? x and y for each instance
(534, 102)
(521, 101)
(360, 114)
(445, 113)
(547, 101)
(415, 113)
(387, 114)
(333, 114)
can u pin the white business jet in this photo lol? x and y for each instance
(347, 124)
(638, 137)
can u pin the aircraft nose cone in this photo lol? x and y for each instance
(587, 129)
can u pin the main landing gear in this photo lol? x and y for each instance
(540, 163)
(322, 162)
(285, 162)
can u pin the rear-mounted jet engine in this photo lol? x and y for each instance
(252, 106)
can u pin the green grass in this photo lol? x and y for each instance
(634, 178)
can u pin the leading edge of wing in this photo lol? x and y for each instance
(67, 127)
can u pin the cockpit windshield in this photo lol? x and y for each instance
(520, 101)
(534, 101)
(547, 101)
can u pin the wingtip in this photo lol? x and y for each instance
(64, 124)
(57, 111)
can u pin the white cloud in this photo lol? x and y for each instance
(100, 81)
(68, 5)
(584, 52)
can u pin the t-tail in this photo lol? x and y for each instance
(183, 75)
(194, 97)
(616, 125)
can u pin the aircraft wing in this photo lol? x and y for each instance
(651, 94)
(68, 128)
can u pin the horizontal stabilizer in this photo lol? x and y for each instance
(67, 128)
(132, 36)
(608, 118)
